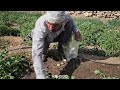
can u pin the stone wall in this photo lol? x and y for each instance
(95, 14)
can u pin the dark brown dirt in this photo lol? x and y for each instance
(80, 68)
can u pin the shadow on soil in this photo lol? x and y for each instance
(54, 54)
(92, 54)
(73, 64)
(9, 32)
(87, 54)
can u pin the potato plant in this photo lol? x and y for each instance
(105, 36)
(98, 72)
(14, 67)
(97, 34)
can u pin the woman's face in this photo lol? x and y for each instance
(53, 26)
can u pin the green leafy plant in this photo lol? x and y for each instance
(94, 32)
(99, 35)
(14, 67)
(98, 72)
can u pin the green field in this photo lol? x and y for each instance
(104, 37)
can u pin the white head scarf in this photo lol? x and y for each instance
(55, 16)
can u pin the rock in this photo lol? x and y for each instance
(64, 60)
(97, 14)
(72, 12)
(88, 14)
(61, 63)
(58, 65)
(53, 45)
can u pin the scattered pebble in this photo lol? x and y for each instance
(58, 65)
(64, 60)
(9, 53)
(103, 64)
(61, 63)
